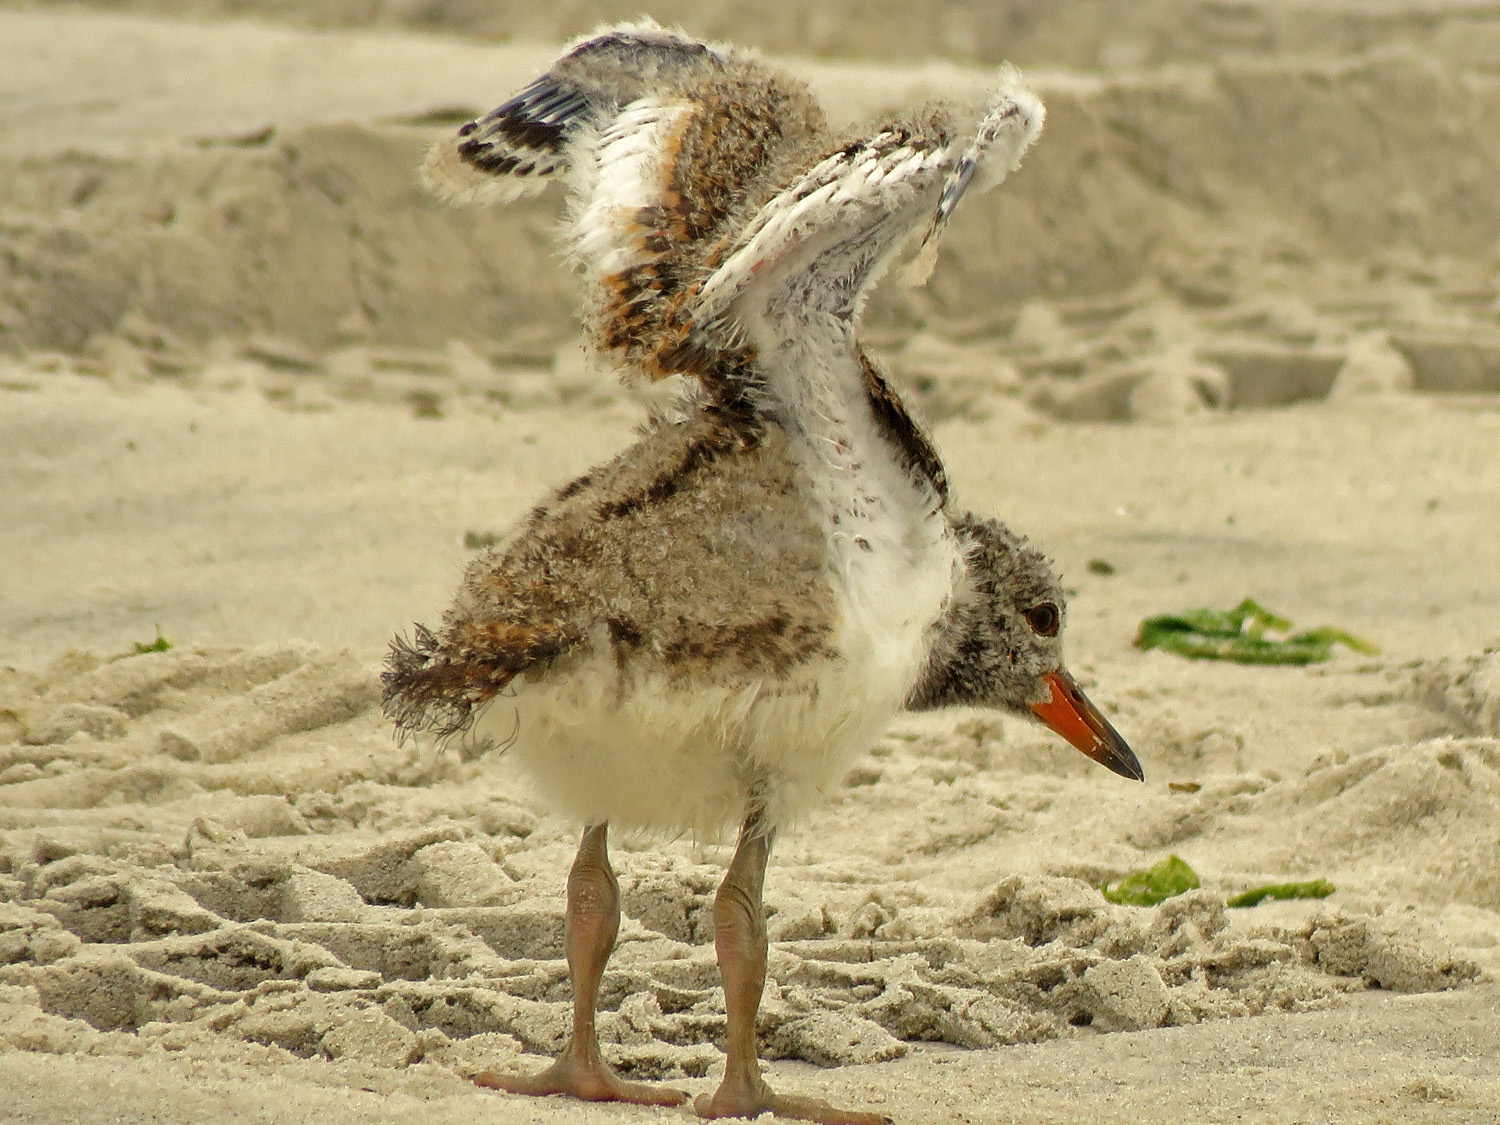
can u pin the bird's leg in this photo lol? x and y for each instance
(593, 922)
(740, 942)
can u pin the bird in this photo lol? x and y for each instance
(708, 628)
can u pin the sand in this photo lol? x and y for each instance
(260, 397)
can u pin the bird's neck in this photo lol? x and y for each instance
(953, 675)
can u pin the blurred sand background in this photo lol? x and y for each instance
(1232, 330)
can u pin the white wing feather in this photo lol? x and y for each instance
(1013, 121)
(881, 182)
(628, 172)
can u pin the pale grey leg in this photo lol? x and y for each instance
(593, 923)
(740, 941)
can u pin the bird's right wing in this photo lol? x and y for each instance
(657, 139)
(546, 128)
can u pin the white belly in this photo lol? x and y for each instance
(648, 753)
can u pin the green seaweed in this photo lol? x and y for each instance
(1239, 634)
(1168, 879)
(479, 540)
(1316, 888)
(161, 644)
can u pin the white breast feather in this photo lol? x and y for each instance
(652, 754)
(892, 556)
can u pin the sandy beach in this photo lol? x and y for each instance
(1232, 331)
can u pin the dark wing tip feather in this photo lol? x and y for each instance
(538, 120)
(516, 147)
(596, 76)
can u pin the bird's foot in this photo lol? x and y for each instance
(588, 1080)
(751, 1099)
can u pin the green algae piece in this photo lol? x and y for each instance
(1239, 634)
(161, 644)
(1316, 888)
(1168, 879)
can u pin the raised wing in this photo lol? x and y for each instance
(672, 174)
(1012, 122)
(518, 146)
(659, 141)
(812, 252)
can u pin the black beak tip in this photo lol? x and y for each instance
(1123, 761)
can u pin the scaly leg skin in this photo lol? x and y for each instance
(740, 942)
(593, 923)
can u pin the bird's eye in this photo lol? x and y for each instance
(1044, 619)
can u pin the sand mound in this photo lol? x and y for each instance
(1428, 809)
(320, 237)
(1466, 690)
(1180, 267)
(1087, 33)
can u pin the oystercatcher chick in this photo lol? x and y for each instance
(708, 628)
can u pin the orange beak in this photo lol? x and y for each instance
(1071, 715)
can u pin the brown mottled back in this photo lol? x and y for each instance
(692, 552)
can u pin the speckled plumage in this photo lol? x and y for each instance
(664, 145)
(987, 653)
(713, 624)
(669, 618)
(773, 569)
(691, 553)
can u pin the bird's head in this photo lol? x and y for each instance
(1000, 645)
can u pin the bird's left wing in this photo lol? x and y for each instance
(813, 251)
(1013, 121)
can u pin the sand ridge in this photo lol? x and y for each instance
(281, 204)
(227, 845)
